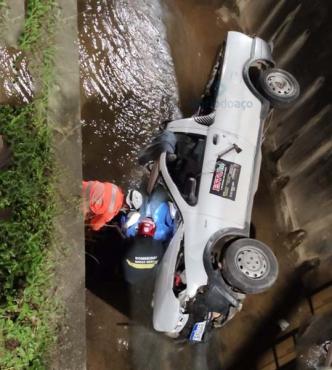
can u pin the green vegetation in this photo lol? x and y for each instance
(27, 309)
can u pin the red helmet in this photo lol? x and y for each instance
(146, 227)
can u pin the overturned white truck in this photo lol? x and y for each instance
(210, 165)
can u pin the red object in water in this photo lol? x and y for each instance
(147, 227)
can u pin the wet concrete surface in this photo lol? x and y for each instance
(301, 31)
(141, 64)
(12, 14)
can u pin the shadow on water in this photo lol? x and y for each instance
(104, 258)
(104, 254)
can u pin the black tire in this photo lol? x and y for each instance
(279, 87)
(249, 266)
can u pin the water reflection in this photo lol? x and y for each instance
(16, 85)
(128, 83)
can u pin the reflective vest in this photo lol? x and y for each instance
(102, 202)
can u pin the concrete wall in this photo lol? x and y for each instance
(11, 22)
(300, 138)
(64, 116)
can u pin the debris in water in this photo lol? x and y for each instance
(122, 344)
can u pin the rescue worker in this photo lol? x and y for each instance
(142, 255)
(156, 208)
(149, 232)
(102, 201)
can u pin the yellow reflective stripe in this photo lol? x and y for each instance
(142, 265)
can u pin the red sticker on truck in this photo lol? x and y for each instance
(225, 179)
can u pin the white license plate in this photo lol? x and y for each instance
(198, 331)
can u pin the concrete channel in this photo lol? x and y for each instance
(143, 62)
(137, 63)
(124, 66)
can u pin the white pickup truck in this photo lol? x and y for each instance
(210, 165)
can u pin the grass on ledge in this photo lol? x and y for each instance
(27, 309)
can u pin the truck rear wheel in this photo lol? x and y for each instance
(249, 266)
(279, 87)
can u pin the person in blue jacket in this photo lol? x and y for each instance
(148, 234)
(159, 210)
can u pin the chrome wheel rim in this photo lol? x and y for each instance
(252, 262)
(280, 84)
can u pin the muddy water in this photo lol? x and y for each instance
(128, 84)
(16, 85)
(137, 59)
(195, 31)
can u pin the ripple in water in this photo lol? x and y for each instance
(16, 86)
(128, 84)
